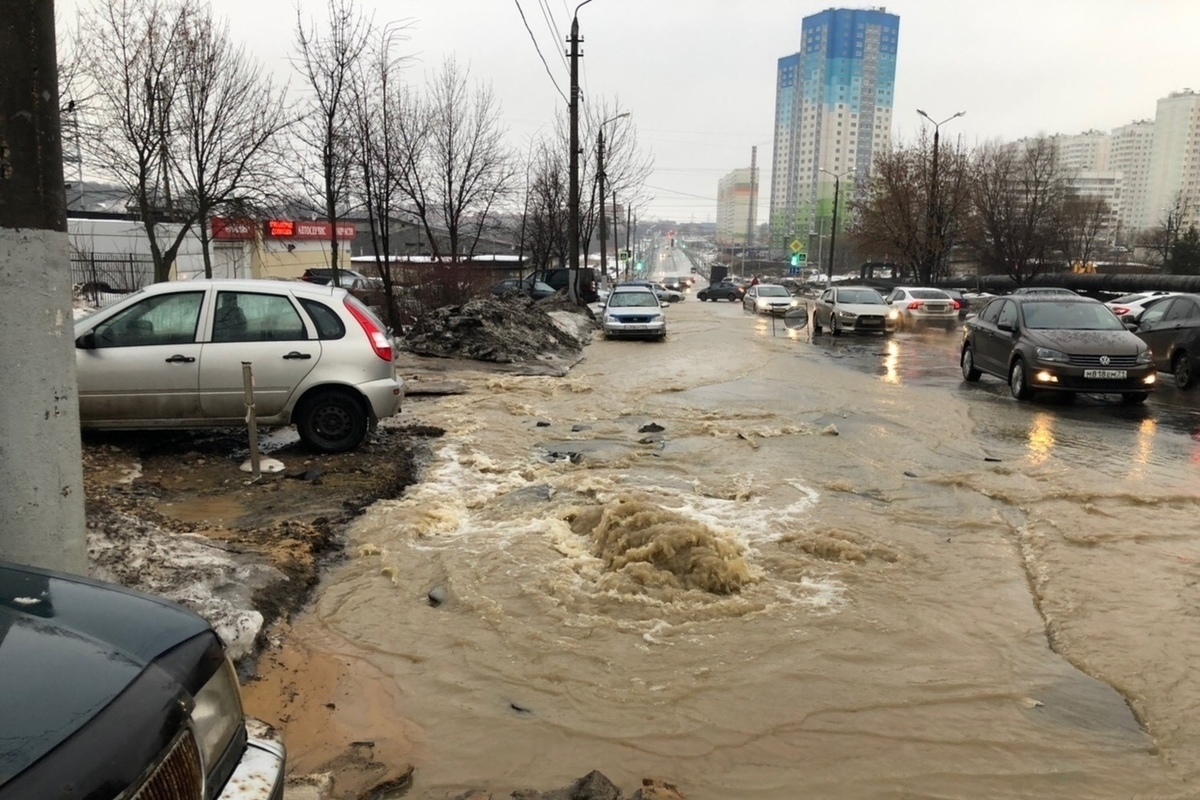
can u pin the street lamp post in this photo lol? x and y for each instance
(837, 185)
(933, 221)
(600, 176)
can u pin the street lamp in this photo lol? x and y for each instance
(837, 185)
(600, 177)
(933, 221)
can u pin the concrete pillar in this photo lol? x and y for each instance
(41, 474)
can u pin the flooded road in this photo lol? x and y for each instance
(836, 571)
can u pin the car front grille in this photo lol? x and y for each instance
(178, 776)
(1113, 362)
(634, 320)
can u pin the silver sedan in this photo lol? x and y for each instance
(853, 308)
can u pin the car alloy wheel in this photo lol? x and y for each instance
(834, 329)
(969, 372)
(1017, 383)
(1183, 370)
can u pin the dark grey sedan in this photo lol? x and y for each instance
(1056, 343)
(1170, 327)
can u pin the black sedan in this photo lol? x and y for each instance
(1171, 328)
(721, 291)
(1043, 342)
(107, 693)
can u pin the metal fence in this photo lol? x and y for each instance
(97, 273)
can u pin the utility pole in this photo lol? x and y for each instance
(616, 228)
(573, 198)
(628, 235)
(40, 455)
(600, 178)
(933, 222)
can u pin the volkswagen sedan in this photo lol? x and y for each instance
(1060, 343)
(171, 356)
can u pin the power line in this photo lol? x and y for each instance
(555, 34)
(710, 198)
(539, 51)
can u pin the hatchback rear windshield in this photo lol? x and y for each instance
(1071, 317)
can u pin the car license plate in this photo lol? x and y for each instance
(1106, 374)
(635, 327)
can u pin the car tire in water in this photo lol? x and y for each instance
(834, 330)
(1134, 398)
(1018, 381)
(1183, 369)
(816, 322)
(332, 421)
(732, 297)
(967, 362)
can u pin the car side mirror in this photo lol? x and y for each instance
(1130, 325)
(87, 341)
(1129, 319)
(1006, 326)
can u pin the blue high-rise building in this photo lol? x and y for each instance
(833, 111)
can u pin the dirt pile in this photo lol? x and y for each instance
(510, 329)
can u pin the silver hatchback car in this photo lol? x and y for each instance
(171, 355)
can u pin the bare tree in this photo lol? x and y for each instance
(135, 69)
(382, 160)
(1017, 198)
(905, 215)
(546, 204)
(1161, 240)
(470, 168)
(327, 56)
(229, 119)
(1082, 225)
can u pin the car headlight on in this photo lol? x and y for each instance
(1050, 354)
(1146, 357)
(217, 716)
(794, 303)
(893, 314)
(846, 315)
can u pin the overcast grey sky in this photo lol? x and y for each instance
(699, 75)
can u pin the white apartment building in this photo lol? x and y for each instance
(1129, 155)
(1174, 174)
(737, 206)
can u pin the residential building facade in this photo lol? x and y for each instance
(737, 207)
(833, 114)
(1174, 172)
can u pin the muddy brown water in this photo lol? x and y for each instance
(956, 596)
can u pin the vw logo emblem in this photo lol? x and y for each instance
(1104, 361)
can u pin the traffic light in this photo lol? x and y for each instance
(795, 259)
(638, 267)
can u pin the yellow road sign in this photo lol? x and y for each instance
(797, 245)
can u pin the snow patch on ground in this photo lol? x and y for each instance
(185, 568)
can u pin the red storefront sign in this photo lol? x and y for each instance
(303, 229)
(227, 228)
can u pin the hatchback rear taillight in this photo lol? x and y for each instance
(375, 334)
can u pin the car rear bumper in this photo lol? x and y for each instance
(384, 396)
(260, 772)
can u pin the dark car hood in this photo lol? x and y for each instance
(68, 647)
(1087, 343)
